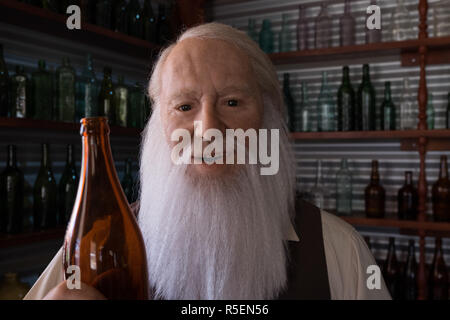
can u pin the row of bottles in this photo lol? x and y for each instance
(400, 28)
(355, 109)
(52, 201)
(375, 194)
(401, 279)
(65, 97)
(132, 17)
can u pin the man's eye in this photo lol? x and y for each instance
(232, 103)
(184, 107)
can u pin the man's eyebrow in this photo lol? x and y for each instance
(235, 88)
(226, 90)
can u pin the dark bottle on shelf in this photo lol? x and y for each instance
(11, 194)
(67, 188)
(346, 103)
(127, 181)
(387, 109)
(20, 95)
(103, 238)
(135, 19)
(121, 104)
(374, 194)
(302, 29)
(347, 26)
(42, 93)
(87, 91)
(106, 99)
(121, 16)
(410, 274)
(438, 280)
(45, 194)
(136, 117)
(365, 115)
(448, 112)
(391, 271)
(407, 199)
(149, 22)
(289, 102)
(103, 13)
(373, 35)
(4, 86)
(441, 193)
(65, 92)
(162, 26)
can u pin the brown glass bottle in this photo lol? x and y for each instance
(438, 281)
(410, 274)
(391, 271)
(407, 199)
(374, 194)
(441, 194)
(103, 237)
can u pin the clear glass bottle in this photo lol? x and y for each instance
(344, 190)
(373, 35)
(306, 114)
(318, 191)
(251, 30)
(87, 92)
(326, 107)
(323, 29)
(121, 104)
(266, 37)
(20, 97)
(106, 98)
(408, 110)
(284, 38)
(302, 29)
(430, 112)
(65, 91)
(347, 26)
(402, 27)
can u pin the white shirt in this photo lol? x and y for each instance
(346, 253)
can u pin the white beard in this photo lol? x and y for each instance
(220, 238)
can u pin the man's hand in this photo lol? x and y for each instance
(86, 292)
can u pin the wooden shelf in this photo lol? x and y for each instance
(56, 126)
(7, 241)
(48, 22)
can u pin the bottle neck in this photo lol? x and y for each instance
(12, 160)
(443, 172)
(375, 176)
(347, 9)
(128, 167)
(69, 157)
(391, 249)
(387, 92)
(44, 159)
(408, 178)
(366, 74)
(319, 173)
(346, 77)
(438, 248)
(304, 92)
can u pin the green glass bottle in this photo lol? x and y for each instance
(284, 38)
(266, 37)
(121, 104)
(149, 22)
(306, 114)
(106, 98)
(326, 108)
(289, 102)
(137, 107)
(135, 19)
(127, 181)
(42, 93)
(68, 186)
(4, 83)
(430, 112)
(121, 16)
(11, 194)
(87, 92)
(65, 91)
(45, 194)
(162, 26)
(387, 115)
(365, 103)
(103, 13)
(346, 103)
(251, 30)
(20, 94)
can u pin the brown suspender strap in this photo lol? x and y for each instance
(307, 268)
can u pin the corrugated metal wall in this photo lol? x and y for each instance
(393, 161)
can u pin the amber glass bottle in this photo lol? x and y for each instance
(438, 281)
(441, 193)
(374, 194)
(103, 237)
(407, 199)
(391, 271)
(410, 274)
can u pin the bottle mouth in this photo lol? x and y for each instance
(94, 126)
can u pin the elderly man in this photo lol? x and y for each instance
(225, 231)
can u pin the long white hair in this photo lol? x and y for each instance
(220, 238)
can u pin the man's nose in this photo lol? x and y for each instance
(209, 120)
